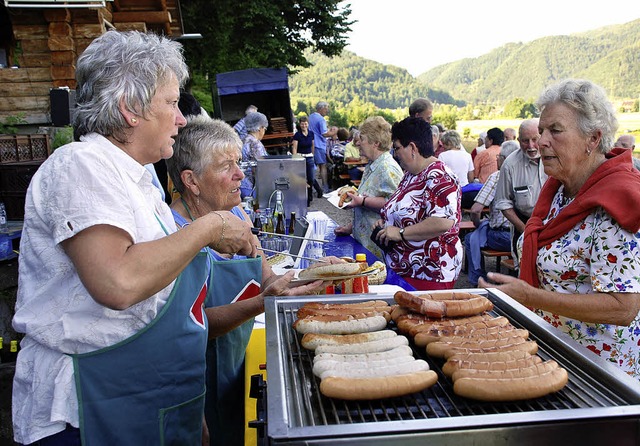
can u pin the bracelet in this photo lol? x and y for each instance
(224, 226)
(364, 197)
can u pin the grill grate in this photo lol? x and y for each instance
(309, 408)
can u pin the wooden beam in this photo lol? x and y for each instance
(155, 17)
(25, 74)
(30, 32)
(89, 31)
(30, 117)
(34, 60)
(60, 29)
(63, 72)
(63, 57)
(132, 26)
(34, 46)
(61, 43)
(22, 89)
(33, 103)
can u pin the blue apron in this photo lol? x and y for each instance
(149, 389)
(231, 281)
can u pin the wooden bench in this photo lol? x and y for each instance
(493, 253)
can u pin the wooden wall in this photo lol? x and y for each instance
(50, 41)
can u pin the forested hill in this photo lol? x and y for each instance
(609, 56)
(349, 77)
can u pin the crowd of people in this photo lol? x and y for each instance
(136, 314)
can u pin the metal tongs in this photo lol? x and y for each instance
(256, 231)
(311, 259)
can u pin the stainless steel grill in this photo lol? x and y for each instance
(600, 402)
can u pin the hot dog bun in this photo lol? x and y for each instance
(343, 192)
(334, 270)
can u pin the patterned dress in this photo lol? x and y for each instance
(597, 255)
(380, 179)
(434, 192)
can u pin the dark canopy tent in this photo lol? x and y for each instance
(266, 88)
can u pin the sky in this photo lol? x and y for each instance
(421, 34)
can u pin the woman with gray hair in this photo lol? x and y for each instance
(256, 124)
(204, 169)
(460, 161)
(106, 284)
(580, 257)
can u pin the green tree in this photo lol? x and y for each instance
(262, 33)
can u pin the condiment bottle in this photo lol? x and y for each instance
(362, 258)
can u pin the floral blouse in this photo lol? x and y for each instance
(434, 192)
(380, 179)
(597, 255)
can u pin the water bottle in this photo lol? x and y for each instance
(4, 227)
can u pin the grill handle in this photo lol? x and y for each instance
(258, 391)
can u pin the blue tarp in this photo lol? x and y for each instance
(252, 80)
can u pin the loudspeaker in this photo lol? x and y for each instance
(63, 104)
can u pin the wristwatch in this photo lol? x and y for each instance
(402, 235)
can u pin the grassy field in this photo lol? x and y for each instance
(629, 123)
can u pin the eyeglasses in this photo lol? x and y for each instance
(395, 149)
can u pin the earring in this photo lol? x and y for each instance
(134, 121)
(588, 152)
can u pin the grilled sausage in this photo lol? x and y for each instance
(350, 325)
(511, 389)
(340, 315)
(441, 349)
(311, 341)
(368, 303)
(530, 347)
(377, 388)
(473, 322)
(403, 350)
(490, 361)
(330, 364)
(520, 372)
(423, 304)
(417, 365)
(380, 345)
(425, 337)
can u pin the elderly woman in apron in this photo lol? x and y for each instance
(110, 295)
(205, 171)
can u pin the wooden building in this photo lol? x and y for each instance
(40, 42)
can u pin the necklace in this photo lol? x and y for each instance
(186, 208)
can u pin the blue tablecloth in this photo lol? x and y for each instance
(347, 246)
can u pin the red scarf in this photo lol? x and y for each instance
(614, 186)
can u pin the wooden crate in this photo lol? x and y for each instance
(21, 148)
